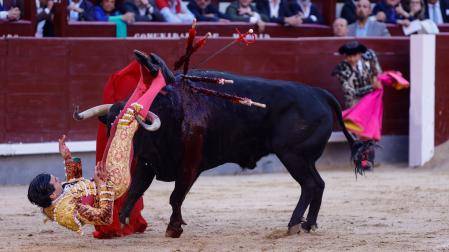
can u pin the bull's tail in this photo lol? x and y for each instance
(361, 151)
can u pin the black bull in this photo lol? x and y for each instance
(200, 132)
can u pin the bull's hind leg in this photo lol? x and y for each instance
(301, 169)
(315, 204)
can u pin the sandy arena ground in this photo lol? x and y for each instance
(392, 209)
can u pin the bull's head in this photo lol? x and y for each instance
(102, 112)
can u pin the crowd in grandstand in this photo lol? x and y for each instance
(366, 21)
(10, 13)
(357, 18)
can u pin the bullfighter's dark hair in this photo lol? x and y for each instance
(40, 190)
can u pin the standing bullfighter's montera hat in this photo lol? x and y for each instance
(352, 48)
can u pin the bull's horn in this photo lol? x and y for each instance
(99, 110)
(153, 118)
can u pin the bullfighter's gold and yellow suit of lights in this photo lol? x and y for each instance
(85, 202)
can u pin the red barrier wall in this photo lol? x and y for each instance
(442, 89)
(22, 28)
(43, 78)
(3, 86)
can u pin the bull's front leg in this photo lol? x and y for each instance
(140, 181)
(193, 146)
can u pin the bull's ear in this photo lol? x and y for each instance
(103, 119)
(168, 75)
(144, 60)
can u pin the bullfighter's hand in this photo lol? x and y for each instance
(376, 84)
(63, 149)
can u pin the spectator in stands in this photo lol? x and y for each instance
(278, 11)
(437, 10)
(413, 10)
(144, 10)
(174, 11)
(348, 11)
(10, 13)
(81, 10)
(307, 10)
(203, 10)
(340, 27)
(44, 19)
(388, 11)
(243, 11)
(364, 27)
(107, 12)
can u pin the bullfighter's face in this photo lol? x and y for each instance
(353, 59)
(58, 187)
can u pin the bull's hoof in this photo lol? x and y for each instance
(173, 232)
(124, 219)
(295, 229)
(308, 228)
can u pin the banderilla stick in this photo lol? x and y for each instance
(232, 98)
